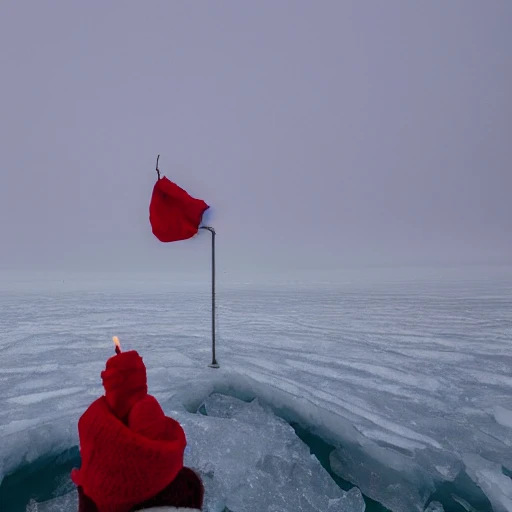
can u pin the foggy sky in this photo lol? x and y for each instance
(322, 133)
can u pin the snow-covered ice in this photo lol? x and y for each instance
(407, 377)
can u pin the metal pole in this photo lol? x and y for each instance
(214, 363)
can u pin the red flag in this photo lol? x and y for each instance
(173, 213)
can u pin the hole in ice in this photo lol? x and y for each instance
(44, 479)
(461, 495)
(507, 472)
(273, 450)
(322, 450)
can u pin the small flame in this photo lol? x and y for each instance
(117, 343)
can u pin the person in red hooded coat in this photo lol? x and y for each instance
(132, 453)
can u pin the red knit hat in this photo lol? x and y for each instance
(130, 450)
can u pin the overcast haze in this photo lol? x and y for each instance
(322, 133)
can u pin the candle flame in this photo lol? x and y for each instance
(117, 343)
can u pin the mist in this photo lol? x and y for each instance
(322, 134)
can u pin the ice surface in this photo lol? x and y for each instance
(401, 374)
(250, 461)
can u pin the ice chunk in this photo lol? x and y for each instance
(503, 416)
(353, 500)
(251, 413)
(463, 503)
(252, 460)
(384, 475)
(66, 503)
(489, 476)
(434, 506)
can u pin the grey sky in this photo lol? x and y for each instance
(321, 132)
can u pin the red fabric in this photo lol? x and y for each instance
(173, 213)
(186, 491)
(130, 450)
(125, 382)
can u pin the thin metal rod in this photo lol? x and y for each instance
(157, 169)
(214, 363)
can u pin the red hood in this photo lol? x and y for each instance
(121, 467)
(130, 450)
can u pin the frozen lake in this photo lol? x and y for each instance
(404, 375)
